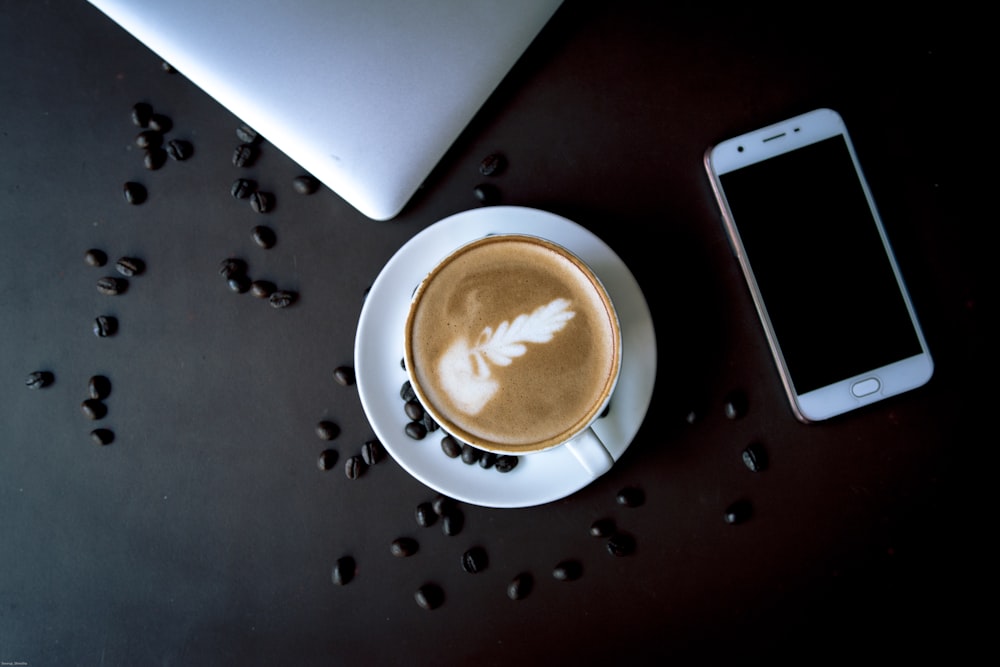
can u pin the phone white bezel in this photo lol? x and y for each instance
(771, 141)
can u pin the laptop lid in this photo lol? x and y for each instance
(366, 95)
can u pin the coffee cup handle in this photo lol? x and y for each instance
(591, 453)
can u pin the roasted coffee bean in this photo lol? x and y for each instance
(327, 459)
(755, 457)
(520, 586)
(179, 150)
(95, 257)
(344, 375)
(443, 505)
(154, 158)
(402, 547)
(111, 286)
(232, 267)
(426, 516)
(239, 283)
(99, 387)
(261, 202)
(135, 193)
(102, 436)
(327, 430)
(414, 410)
(630, 496)
(160, 123)
(621, 544)
(141, 113)
(451, 447)
(93, 409)
(506, 462)
(429, 596)
(486, 193)
(242, 188)
(130, 266)
(406, 391)
(602, 528)
(148, 139)
(372, 452)
(247, 134)
(452, 522)
(487, 460)
(263, 236)
(167, 67)
(244, 155)
(262, 289)
(567, 570)
(470, 454)
(738, 512)
(736, 404)
(39, 379)
(282, 299)
(492, 165)
(355, 467)
(105, 326)
(305, 184)
(416, 430)
(343, 570)
(475, 560)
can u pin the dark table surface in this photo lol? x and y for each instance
(206, 533)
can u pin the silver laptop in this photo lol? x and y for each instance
(366, 95)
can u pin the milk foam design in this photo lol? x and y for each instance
(465, 372)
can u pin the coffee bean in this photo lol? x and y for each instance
(429, 596)
(179, 150)
(167, 67)
(354, 467)
(148, 139)
(262, 289)
(475, 560)
(406, 391)
(99, 387)
(305, 184)
(130, 266)
(451, 447)
(39, 379)
(443, 505)
(154, 158)
(755, 457)
(452, 522)
(630, 496)
(239, 283)
(567, 570)
(105, 326)
(372, 452)
(487, 460)
(520, 586)
(242, 188)
(736, 404)
(160, 123)
(261, 202)
(95, 257)
(263, 236)
(486, 194)
(470, 454)
(247, 134)
(426, 516)
(327, 430)
(141, 113)
(244, 155)
(135, 193)
(416, 430)
(282, 299)
(344, 375)
(102, 436)
(602, 528)
(93, 409)
(414, 410)
(327, 459)
(506, 462)
(621, 544)
(738, 512)
(403, 547)
(492, 165)
(343, 570)
(111, 286)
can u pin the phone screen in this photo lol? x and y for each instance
(820, 264)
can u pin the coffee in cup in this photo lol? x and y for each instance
(513, 345)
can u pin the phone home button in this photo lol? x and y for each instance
(865, 387)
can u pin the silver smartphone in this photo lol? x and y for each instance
(804, 227)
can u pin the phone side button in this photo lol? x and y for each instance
(865, 387)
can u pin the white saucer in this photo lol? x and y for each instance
(538, 478)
